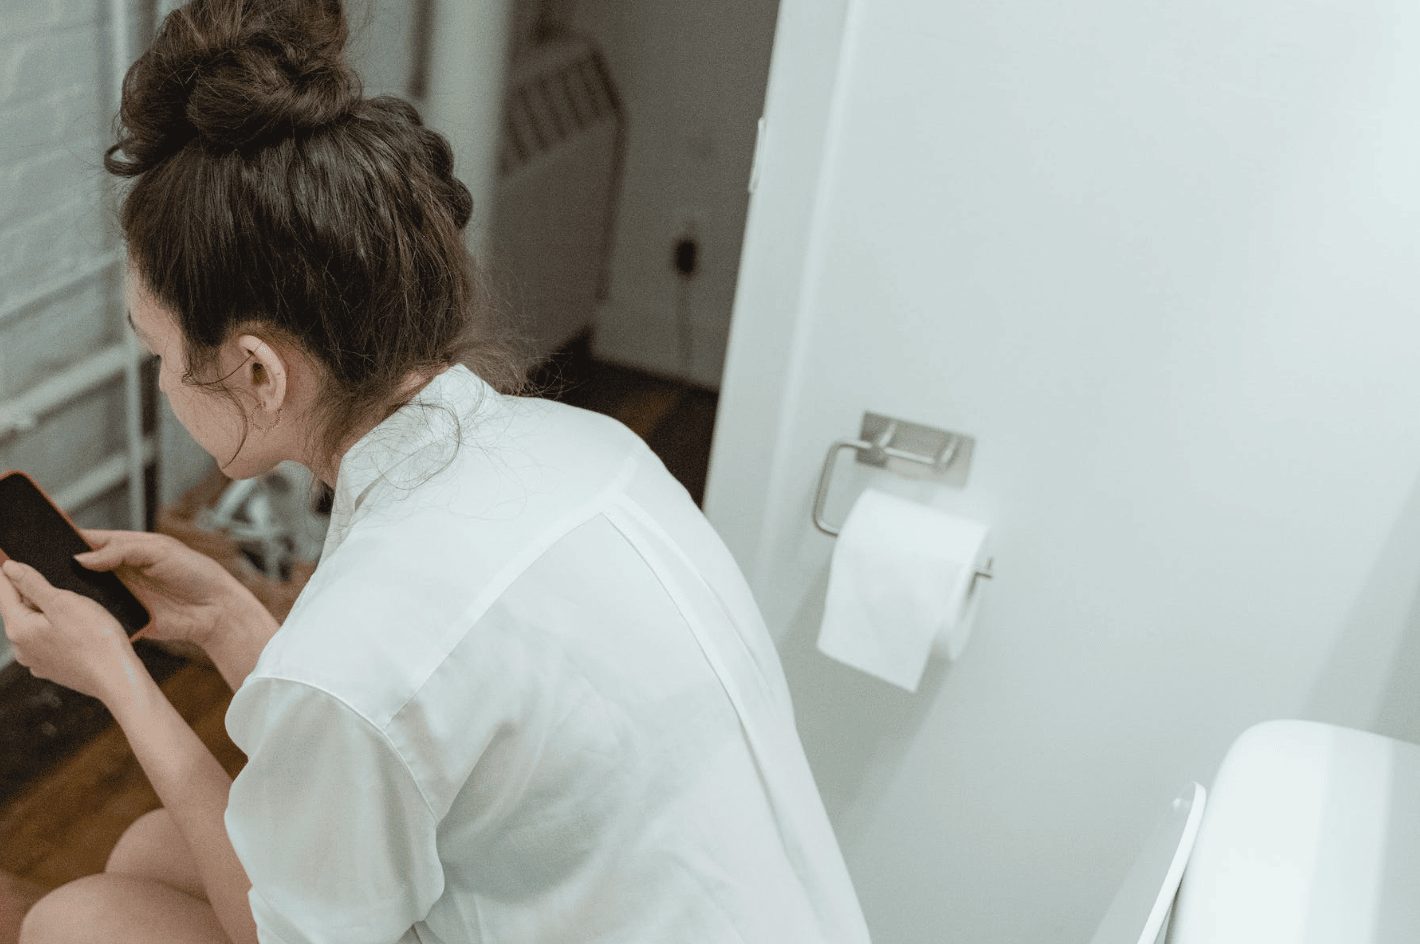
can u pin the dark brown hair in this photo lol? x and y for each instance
(270, 194)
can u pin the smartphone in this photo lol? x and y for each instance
(35, 531)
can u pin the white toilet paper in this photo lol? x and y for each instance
(897, 584)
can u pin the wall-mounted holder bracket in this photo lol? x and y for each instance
(882, 438)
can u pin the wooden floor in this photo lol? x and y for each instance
(64, 823)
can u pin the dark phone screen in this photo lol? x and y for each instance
(33, 532)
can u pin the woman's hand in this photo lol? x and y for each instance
(66, 637)
(189, 595)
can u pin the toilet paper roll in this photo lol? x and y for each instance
(900, 583)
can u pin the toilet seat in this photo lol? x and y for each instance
(1141, 905)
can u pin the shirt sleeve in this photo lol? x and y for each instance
(336, 837)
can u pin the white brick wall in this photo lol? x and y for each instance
(56, 100)
(37, 16)
(55, 216)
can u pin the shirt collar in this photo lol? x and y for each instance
(411, 443)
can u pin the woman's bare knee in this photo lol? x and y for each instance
(119, 909)
(60, 916)
(139, 840)
(153, 848)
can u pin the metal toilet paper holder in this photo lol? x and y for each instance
(882, 438)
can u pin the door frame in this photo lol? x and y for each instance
(769, 322)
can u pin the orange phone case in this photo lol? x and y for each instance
(55, 505)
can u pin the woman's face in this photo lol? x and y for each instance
(212, 419)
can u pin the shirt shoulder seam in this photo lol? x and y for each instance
(379, 730)
(545, 541)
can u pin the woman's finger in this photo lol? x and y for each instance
(103, 537)
(10, 602)
(31, 584)
(13, 610)
(98, 537)
(105, 558)
(119, 549)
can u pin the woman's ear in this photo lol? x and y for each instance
(263, 373)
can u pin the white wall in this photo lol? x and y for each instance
(691, 77)
(1161, 261)
(381, 44)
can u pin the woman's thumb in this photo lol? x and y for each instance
(101, 559)
(30, 582)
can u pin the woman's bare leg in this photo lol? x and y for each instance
(153, 848)
(111, 908)
(149, 892)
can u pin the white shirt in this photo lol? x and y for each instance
(526, 697)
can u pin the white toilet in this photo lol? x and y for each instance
(1311, 835)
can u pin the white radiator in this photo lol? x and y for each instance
(559, 170)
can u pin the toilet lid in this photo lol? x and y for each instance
(1140, 906)
(1312, 835)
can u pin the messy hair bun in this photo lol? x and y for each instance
(234, 75)
(269, 192)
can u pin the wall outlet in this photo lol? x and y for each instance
(687, 240)
(687, 254)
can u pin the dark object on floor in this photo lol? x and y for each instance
(41, 723)
(66, 823)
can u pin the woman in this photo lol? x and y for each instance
(526, 695)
